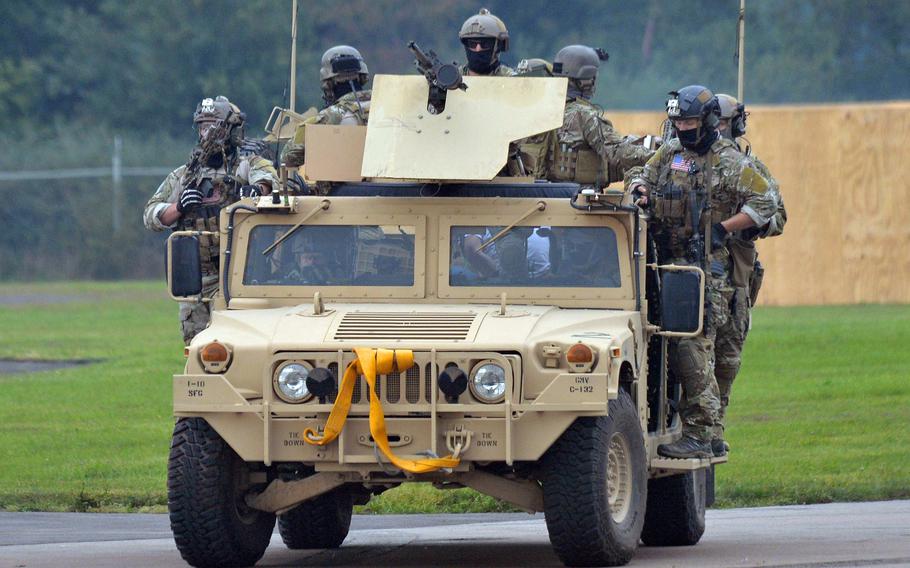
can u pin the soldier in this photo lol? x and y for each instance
(344, 75)
(729, 344)
(484, 37)
(700, 185)
(586, 149)
(191, 197)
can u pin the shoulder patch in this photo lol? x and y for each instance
(753, 181)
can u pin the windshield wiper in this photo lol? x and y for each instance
(322, 207)
(539, 206)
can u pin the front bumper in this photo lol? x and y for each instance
(262, 428)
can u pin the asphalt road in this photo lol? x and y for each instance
(832, 535)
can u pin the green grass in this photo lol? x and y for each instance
(821, 409)
(820, 412)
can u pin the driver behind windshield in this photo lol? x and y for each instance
(307, 263)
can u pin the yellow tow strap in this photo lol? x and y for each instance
(370, 363)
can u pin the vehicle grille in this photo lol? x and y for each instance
(412, 326)
(393, 382)
(411, 387)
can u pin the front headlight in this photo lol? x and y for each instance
(488, 382)
(290, 382)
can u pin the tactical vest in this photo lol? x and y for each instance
(206, 218)
(680, 201)
(535, 154)
(572, 159)
(580, 164)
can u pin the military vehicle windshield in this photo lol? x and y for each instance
(541, 256)
(331, 255)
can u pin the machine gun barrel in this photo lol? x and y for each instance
(445, 76)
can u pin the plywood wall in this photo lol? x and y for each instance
(844, 172)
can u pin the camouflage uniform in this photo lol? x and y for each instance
(730, 340)
(671, 176)
(500, 71)
(588, 150)
(248, 170)
(345, 111)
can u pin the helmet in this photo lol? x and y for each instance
(734, 111)
(217, 109)
(694, 101)
(534, 68)
(221, 110)
(579, 63)
(341, 65)
(342, 61)
(486, 25)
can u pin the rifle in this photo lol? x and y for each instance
(210, 146)
(697, 251)
(441, 76)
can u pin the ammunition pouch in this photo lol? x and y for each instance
(533, 155)
(758, 275)
(205, 219)
(670, 203)
(581, 165)
(744, 258)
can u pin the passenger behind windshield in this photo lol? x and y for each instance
(331, 255)
(583, 257)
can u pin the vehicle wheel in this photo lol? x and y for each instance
(206, 484)
(321, 522)
(594, 485)
(676, 510)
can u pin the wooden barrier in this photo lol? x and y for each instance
(844, 172)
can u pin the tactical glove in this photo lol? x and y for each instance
(250, 191)
(189, 199)
(718, 236)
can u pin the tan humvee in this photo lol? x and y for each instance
(530, 362)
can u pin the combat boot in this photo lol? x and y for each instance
(719, 447)
(684, 448)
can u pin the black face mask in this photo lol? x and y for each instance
(341, 89)
(697, 139)
(482, 62)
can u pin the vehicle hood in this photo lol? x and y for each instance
(420, 328)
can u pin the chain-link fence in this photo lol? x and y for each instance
(76, 223)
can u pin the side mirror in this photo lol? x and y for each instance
(682, 300)
(184, 266)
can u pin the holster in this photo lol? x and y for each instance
(758, 274)
(743, 254)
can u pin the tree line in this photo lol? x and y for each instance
(143, 65)
(74, 73)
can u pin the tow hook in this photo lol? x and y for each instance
(458, 440)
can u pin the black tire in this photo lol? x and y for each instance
(676, 510)
(212, 525)
(322, 522)
(590, 524)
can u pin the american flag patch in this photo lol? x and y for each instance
(681, 164)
